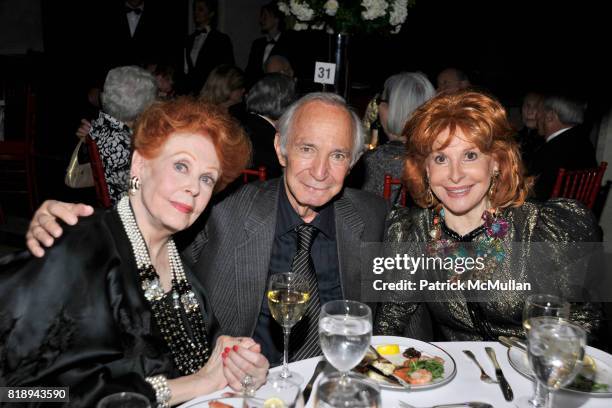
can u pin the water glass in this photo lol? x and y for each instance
(332, 392)
(544, 305)
(124, 400)
(556, 352)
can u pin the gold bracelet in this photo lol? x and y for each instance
(162, 391)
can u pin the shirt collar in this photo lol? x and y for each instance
(289, 219)
(273, 38)
(557, 133)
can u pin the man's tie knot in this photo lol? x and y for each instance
(306, 234)
(129, 9)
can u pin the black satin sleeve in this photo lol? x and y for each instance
(77, 318)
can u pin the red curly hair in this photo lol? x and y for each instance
(185, 114)
(484, 122)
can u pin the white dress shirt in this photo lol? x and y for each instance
(133, 19)
(198, 42)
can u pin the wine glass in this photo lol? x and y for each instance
(345, 331)
(543, 305)
(537, 306)
(278, 394)
(363, 392)
(556, 352)
(288, 296)
(124, 400)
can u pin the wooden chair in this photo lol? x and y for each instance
(390, 181)
(97, 171)
(581, 185)
(260, 173)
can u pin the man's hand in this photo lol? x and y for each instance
(44, 227)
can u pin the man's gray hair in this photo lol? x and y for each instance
(569, 111)
(271, 95)
(286, 121)
(127, 92)
(408, 91)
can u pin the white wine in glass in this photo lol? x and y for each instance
(288, 297)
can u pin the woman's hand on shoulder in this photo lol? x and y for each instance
(44, 227)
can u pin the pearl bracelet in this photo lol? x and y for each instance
(162, 391)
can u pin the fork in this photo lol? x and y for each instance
(484, 377)
(458, 405)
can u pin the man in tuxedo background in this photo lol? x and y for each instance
(567, 145)
(205, 48)
(276, 41)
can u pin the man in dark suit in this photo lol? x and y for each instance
(567, 145)
(276, 41)
(255, 231)
(206, 48)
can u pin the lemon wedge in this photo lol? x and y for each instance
(274, 403)
(388, 349)
(588, 366)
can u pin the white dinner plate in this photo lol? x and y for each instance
(234, 402)
(450, 368)
(603, 374)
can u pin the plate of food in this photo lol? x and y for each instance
(595, 379)
(416, 364)
(237, 402)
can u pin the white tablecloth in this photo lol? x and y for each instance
(466, 386)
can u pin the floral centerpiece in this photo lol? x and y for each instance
(347, 16)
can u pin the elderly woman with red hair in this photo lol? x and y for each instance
(111, 307)
(463, 169)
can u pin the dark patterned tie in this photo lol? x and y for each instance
(305, 335)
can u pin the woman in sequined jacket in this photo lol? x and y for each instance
(463, 169)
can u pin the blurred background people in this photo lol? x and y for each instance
(566, 142)
(266, 101)
(528, 138)
(205, 48)
(224, 87)
(406, 92)
(451, 80)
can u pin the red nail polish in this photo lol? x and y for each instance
(227, 350)
(223, 355)
(235, 348)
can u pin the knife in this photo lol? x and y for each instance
(512, 342)
(394, 379)
(503, 384)
(308, 389)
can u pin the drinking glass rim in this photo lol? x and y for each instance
(346, 302)
(539, 320)
(560, 303)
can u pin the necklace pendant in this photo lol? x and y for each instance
(190, 303)
(435, 233)
(152, 289)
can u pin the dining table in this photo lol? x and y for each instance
(465, 386)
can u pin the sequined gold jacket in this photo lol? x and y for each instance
(555, 223)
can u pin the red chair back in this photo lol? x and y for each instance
(581, 185)
(260, 173)
(390, 181)
(97, 171)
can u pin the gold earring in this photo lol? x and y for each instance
(429, 194)
(493, 185)
(134, 185)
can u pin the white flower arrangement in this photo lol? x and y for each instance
(347, 16)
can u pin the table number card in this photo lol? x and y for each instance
(325, 73)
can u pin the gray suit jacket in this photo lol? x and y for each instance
(231, 255)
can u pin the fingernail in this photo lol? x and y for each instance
(235, 348)
(227, 350)
(223, 355)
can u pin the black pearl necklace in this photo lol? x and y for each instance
(189, 349)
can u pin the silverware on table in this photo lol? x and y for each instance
(512, 342)
(474, 404)
(308, 389)
(503, 383)
(483, 374)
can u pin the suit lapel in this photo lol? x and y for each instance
(349, 229)
(252, 256)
